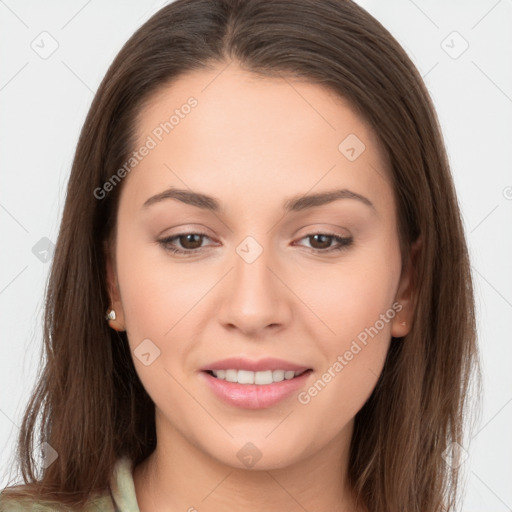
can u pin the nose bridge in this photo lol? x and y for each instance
(252, 275)
(256, 297)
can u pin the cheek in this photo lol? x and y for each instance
(357, 307)
(351, 295)
(164, 302)
(157, 301)
(155, 293)
(353, 360)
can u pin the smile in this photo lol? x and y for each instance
(260, 378)
(255, 390)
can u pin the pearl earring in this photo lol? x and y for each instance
(111, 315)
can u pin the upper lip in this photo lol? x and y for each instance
(268, 363)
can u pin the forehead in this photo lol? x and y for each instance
(277, 136)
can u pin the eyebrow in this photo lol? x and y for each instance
(294, 204)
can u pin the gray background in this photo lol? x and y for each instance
(43, 103)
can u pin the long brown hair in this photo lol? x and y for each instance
(89, 400)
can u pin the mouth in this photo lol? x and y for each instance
(260, 389)
(260, 378)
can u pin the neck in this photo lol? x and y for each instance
(180, 476)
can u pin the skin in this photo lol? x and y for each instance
(253, 143)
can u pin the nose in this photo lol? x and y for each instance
(255, 298)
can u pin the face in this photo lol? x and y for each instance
(263, 276)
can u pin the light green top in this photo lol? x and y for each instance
(121, 497)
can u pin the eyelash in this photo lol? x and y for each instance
(344, 243)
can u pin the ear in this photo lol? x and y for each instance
(113, 290)
(406, 294)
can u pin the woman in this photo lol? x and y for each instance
(251, 303)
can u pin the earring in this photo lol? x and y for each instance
(111, 315)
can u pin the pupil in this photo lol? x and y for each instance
(187, 240)
(327, 237)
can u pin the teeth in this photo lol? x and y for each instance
(262, 378)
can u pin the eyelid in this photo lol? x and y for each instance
(185, 229)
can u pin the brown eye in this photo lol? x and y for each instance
(190, 241)
(183, 243)
(322, 242)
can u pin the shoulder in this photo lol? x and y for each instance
(10, 504)
(17, 505)
(120, 496)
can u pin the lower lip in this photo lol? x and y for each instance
(254, 396)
